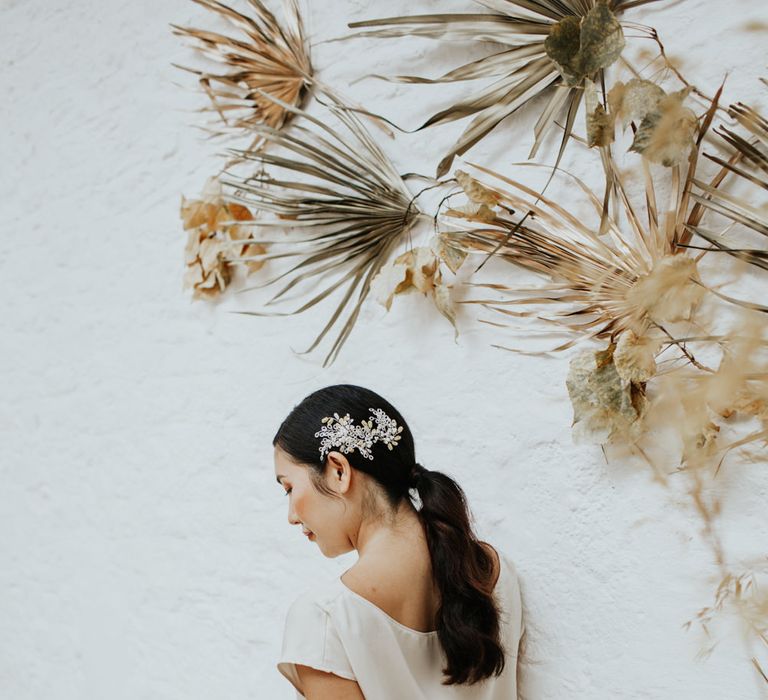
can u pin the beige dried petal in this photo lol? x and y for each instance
(451, 255)
(209, 281)
(223, 276)
(198, 213)
(635, 358)
(421, 264)
(212, 284)
(238, 212)
(210, 254)
(599, 122)
(388, 279)
(254, 249)
(667, 134)
(192, 249)
(209, 225)
(747, 404)
(416, 269)
(700, 446)
(444, 304)
(477, 193)
(740, 384)
(633, 100)
(669, 292)
(473, 212)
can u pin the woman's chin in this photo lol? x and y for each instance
(334, 552)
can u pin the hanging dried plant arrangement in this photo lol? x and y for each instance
(601, 285)
(270, 58)
(631, 286)
(549, 46)
(343, 203)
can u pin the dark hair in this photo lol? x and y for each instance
(468, 616)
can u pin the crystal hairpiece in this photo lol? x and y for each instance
(344, 434)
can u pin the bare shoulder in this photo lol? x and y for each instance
(379, 584)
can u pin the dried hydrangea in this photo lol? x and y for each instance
(211, 227)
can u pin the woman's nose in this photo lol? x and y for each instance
(292, 519)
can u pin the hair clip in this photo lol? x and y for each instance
(341, 432)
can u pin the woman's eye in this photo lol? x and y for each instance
(287, 491)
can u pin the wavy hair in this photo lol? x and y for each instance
(468, 624)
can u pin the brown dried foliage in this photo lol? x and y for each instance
(546, 47)
(272, 58)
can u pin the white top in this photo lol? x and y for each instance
(334, 629)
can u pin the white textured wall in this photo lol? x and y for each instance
(144, 546)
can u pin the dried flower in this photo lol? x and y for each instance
(635, 357)
(667, 133)
(211, 227)
(416, 269)
(605, 406)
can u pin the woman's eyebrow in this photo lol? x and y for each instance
(280, 476)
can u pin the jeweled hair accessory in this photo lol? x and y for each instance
(344, 434)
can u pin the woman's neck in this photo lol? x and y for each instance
(385, 536)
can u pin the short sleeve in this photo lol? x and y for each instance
(310, 639)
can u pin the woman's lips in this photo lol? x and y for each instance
(310, 534)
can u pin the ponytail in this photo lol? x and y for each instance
(468, 617)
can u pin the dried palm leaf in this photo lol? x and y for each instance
(549, 45)
(604, 284)
(629, 287)
(273, 58)
(346, 206)
(748, 162)
(638, 279)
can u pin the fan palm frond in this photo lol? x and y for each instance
(272, 58)
(638, 277)
(602, 285)
(548, 46)
(748, 163)
(345, 205)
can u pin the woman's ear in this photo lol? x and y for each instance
(338, 472)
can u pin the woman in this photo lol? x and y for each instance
(427, 611)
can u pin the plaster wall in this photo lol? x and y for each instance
(144, 543)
